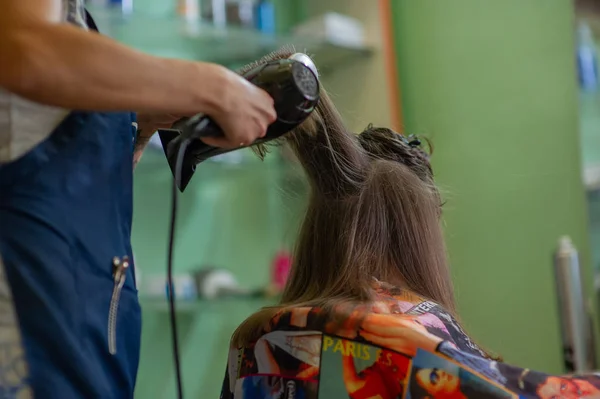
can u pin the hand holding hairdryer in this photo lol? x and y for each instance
(247, 113)
(242, 110)
(291, 82)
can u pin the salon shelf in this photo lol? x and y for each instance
(190, 307)
(171, 36)
(589, 125)
(161, 305)
(591, 177)
(589, 10)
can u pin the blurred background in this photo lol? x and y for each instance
(506, 90)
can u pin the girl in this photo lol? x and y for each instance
(368, 310)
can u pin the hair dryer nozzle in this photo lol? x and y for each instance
(292, 83)
(307, 61)
(172, 144)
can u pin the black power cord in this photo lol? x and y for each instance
(170, 287)
(171, 291)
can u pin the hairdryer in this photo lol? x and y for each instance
(292, 83)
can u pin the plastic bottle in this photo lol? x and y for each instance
(587, 61)
(280, 270)
(188, 9)
(573, 314)
(265, 17)
(219, 13)
(125, 7)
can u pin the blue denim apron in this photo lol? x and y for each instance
(65, 226)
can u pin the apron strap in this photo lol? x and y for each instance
(90, 21)
(92, 25)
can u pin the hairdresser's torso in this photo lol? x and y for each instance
(23, 123)
(65, 225)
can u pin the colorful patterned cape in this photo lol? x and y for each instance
(403, 347)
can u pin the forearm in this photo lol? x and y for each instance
(61, 65)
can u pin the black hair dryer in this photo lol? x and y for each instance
(292, 82)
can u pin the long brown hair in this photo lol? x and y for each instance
(373, 213)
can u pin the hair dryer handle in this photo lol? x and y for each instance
(198, 126)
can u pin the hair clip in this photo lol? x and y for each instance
(413, 141)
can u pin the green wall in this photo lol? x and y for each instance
(493, 84)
